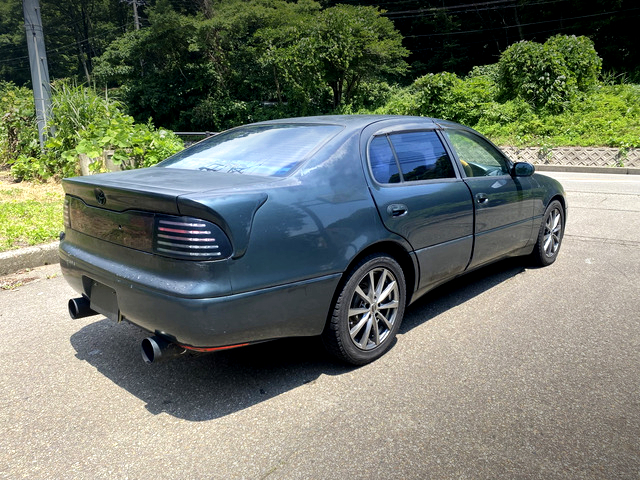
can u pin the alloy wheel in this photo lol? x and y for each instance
(552, 232)
(373, 308)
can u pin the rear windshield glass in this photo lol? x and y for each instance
(269, 150)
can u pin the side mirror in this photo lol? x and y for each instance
(523, 169)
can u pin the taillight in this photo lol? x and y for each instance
(189, 238)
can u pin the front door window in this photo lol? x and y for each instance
(478, 157)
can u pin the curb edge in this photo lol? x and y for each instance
(13, 261)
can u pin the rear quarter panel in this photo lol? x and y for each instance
(311, 225)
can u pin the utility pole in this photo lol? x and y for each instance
(38, 65)
(136, 19)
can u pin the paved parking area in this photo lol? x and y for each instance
(509, 372)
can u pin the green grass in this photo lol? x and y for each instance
(30, 213)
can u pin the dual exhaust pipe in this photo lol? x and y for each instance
(80, 308)
(158, 349)
(153, 349)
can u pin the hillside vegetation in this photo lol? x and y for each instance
(536, 95)
(541, 95)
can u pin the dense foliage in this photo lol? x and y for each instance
(85, 125)
(609, 115)
(531, 97)
(449, 35)
(210, 65)
(252, 58)
(18, 132)
(549, 75)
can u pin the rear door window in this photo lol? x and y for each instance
(409, 157)
(383, 162)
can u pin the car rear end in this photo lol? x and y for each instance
(154, 247)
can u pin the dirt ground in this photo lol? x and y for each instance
(18, 191)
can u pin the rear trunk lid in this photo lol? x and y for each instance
(122, 207)
(154, 189)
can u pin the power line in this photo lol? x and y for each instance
(468, 44)
(521, 24)
(494, 5)
(71, 45)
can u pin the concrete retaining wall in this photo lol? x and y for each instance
(576, 156)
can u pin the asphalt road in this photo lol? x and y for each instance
(509, 372)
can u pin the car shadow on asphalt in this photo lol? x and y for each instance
(460, 290)
(200, 387)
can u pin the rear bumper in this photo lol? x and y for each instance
(164, 304)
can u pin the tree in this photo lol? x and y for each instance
(339, 48)
(192, 71)
(356, 43)
(77, 31)
(165, 68)
(288, 67)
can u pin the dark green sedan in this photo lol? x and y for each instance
(325, 226)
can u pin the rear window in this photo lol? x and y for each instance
(267, 150)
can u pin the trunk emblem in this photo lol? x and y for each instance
(100, 196)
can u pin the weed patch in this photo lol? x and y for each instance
(30, 213)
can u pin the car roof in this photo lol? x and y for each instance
(361, 121)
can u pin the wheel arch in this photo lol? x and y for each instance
(560, 198)
(390, 248)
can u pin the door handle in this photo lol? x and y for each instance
(397, 210)
(482, 198)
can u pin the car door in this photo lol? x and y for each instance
(420, 197)
(503, 204)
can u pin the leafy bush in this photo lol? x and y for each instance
(223, 113)
(580, 57)
(434, 92)
(443, 95)
(401, 101)
(605, 115)
(128, 144)
(86, 123)
(549, 75)
(18, 130)
(370, 95)
(490, 72)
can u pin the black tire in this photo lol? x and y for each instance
(550, 235)
(350, 334)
